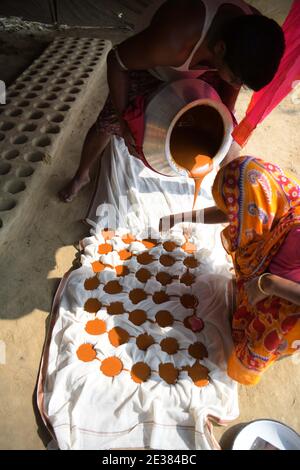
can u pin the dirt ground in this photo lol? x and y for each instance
(34, 259)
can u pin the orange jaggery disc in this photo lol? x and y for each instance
(95, 327)
(187, 278)
(169, 345)
(189, 247)
(104, 249)
(107, 234)
(198, 374)
(144, 341)
(164, 278)
(164, 318)
(118, 336)
(168, 373)
(160, 297)
(125, 254)
(115, 308)
(137, 317)
(189, 301)
(191, 262)
(98, 266)
(140, 372)
(92, 305)
(170, 246)
(128, 238)
(111, 366)
(144, 258)
(122, 270)
(137, 295)
(167, 260)
(198, 350)
(149, 243)
(91, 283)
(143, 275)
(86, 353)
(193, 323)
(113, 287)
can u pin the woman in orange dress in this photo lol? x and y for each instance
(261, 204)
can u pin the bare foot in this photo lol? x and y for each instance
(70, 191)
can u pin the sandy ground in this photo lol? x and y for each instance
(33, 261)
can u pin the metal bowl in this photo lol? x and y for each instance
(166, 108)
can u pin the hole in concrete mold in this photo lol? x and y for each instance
(72, 68)
(43, 141)
(6, 126)
(30, 95)
(79, 82)
(88, 69)
(7, 203)
(60, 61)
(27, 79)
(1, 223)
(74, 90)
(51, 97)
(4, 168)
(11, 154)
(65, 74)
(16, 112)
(51, 129)
(62, 107)
(23, 103)
(15, 186)
(35, 157)
(2, 136)
(25, 171)
(57, 88)
(19, 86)
(43, 105)
(69, 99)
(57, 117)
(37, 88)
(43, 80)
(61, 81)
(12, 94)
(29, 127)
(84, 75)
(36, 115)
(78, 62)
(21, 139)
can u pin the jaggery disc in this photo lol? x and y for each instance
(95, 327)
(137, 317)
(187, 278)
(86, 353)
(143, 275)
(108, 234)
(125, 254)
(91, 283)
(160, 297)
(198, 374)
(104, 249)
(169, 345)
(128, 238)
(115, 308)
(189, 247)
(191, 262)
(149, 243)
(118, 336)
(122, 270)
(144, 258)
(169, 246)
(113, 287)
(98, 266)
(167, 260)
(144, 341)
(189, 301)
(137, 295)
(193, 323)
(111, 366)
(92, 305)
(168, 373)
(164, 278)
(164, 318)
(140, 372)
(198, 350)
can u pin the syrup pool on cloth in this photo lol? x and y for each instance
(124, 368)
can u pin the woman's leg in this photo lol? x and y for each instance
(94, 144)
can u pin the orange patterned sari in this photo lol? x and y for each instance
(263, 204)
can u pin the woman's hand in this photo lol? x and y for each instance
(253, 292)
(129, 139)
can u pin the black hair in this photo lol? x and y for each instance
(254, 47)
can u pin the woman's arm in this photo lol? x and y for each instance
(209, 215)
(272, 285)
